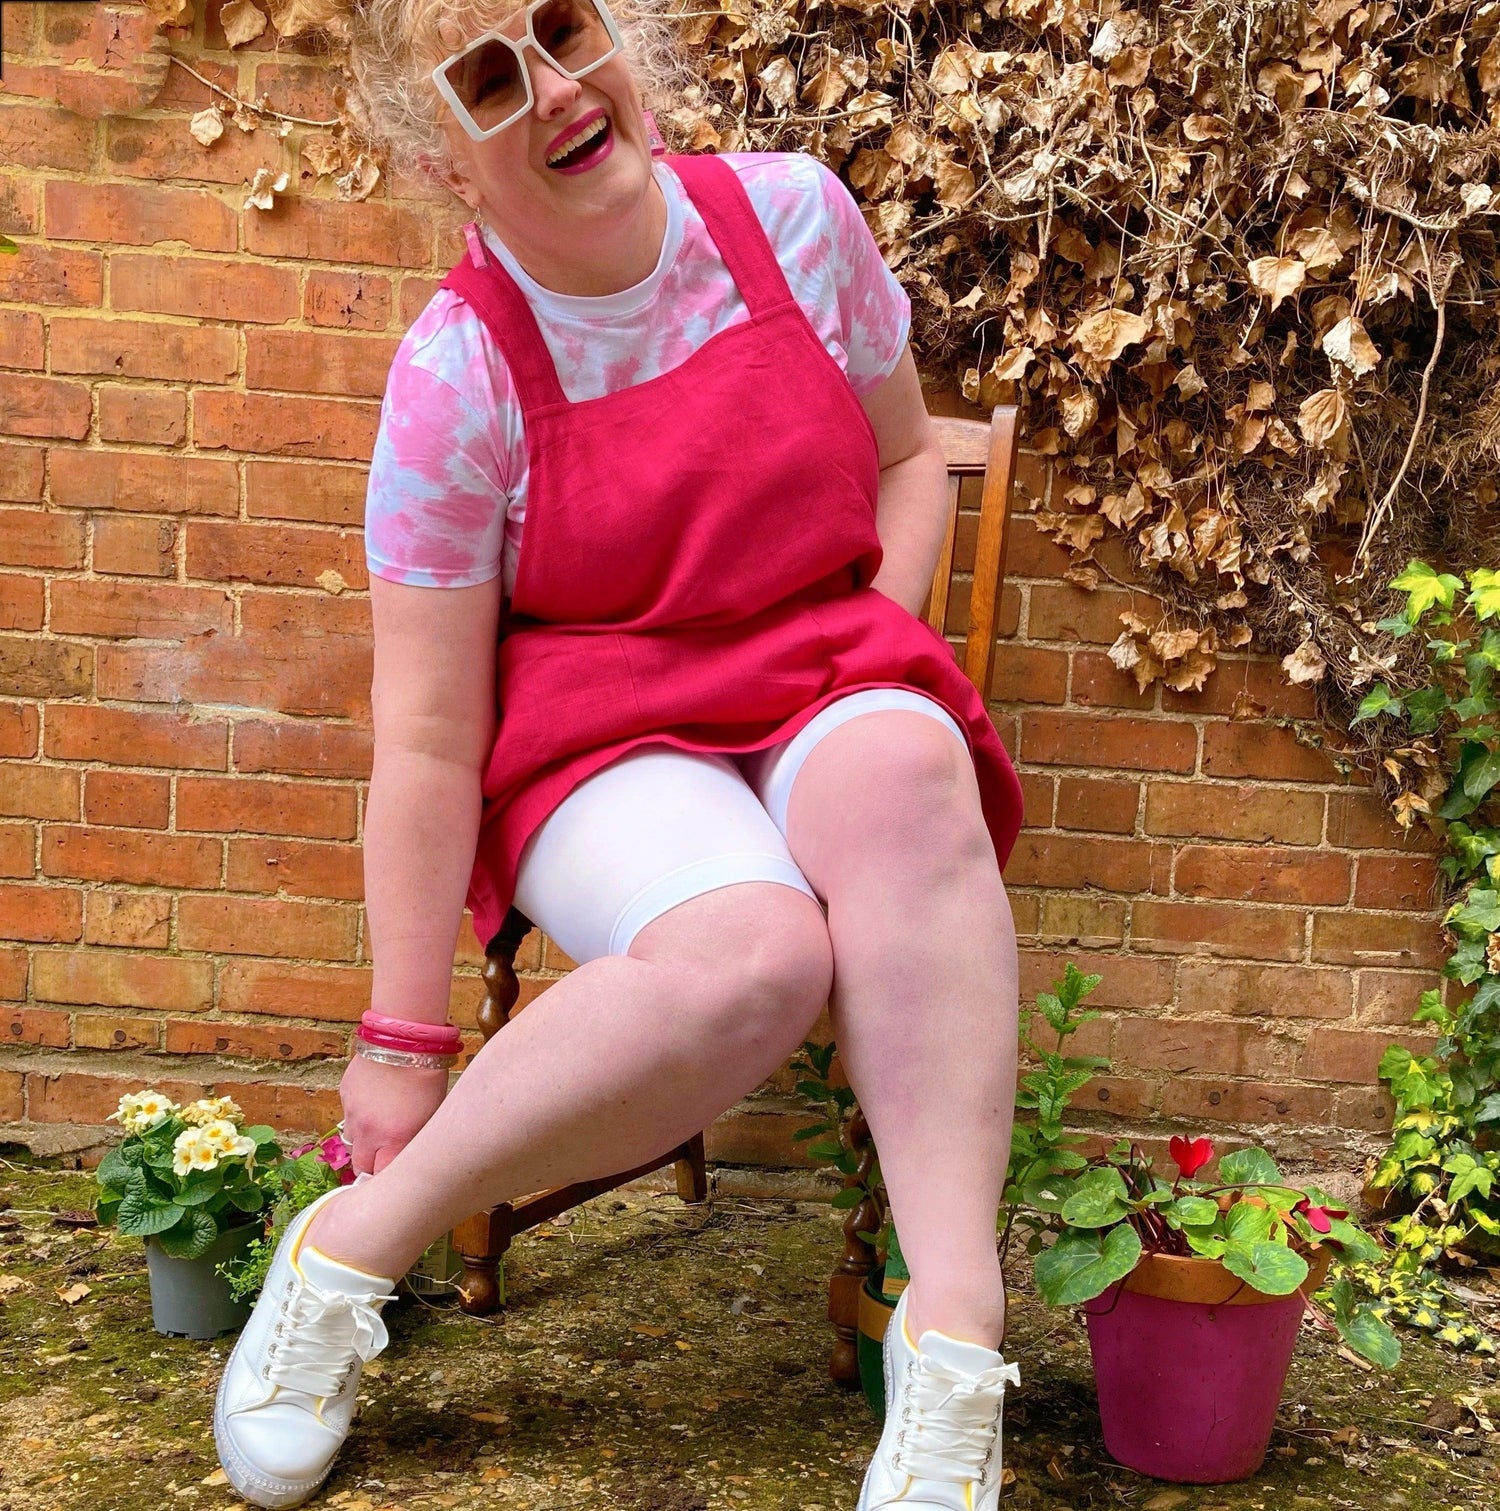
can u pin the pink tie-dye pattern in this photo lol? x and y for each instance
(446, 505)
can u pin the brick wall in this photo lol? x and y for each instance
(188, 395)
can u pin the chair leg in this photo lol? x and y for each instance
(856, 1262)
(692, 1173)
(481, 1242)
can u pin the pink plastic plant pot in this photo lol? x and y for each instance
(1190, 1365)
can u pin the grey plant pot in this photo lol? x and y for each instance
(189, 1299)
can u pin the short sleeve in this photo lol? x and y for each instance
(873, 307)
(435, 506)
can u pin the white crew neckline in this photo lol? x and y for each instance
(603, 306)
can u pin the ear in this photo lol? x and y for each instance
(455, 179)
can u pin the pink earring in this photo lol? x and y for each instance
(653, 135)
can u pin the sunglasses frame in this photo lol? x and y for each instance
(518, 46)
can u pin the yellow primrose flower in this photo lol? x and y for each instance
(220, 1134)
(204, 1156)
(182, 1151)
(208, 1110)
(140, 1111)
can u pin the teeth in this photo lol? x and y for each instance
(574, 142)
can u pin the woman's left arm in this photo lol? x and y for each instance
(911, 513)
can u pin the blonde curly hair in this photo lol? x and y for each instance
(393, 46)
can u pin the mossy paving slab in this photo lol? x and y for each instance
(653, 1357)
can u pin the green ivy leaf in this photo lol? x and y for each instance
(1482, 775)
(1379, 700)
(1370, 1337)
(1424, 588)
(1080, 1266)
(1270, 1268)
(1484, 593)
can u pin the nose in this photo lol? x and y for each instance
(554, 93)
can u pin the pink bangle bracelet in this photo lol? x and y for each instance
(403, 1034)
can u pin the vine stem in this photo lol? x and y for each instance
(280, 115)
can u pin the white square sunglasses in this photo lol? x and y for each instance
(487, 84)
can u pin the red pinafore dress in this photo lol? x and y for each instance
(697, 559)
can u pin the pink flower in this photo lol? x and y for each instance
(336, 1156)
(1318, 1218)
(1190, 1155)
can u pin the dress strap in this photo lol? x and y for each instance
(716, 190)
(483, 284)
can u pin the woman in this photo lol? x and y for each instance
(662, 426)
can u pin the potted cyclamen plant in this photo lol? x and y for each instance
(1193, 1291)
(191, 1181)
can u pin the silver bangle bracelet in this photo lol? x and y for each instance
(413, 1059)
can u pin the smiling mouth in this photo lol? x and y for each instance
(586, 140)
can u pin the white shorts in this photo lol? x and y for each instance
(661, 825)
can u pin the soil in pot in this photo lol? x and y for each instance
(1190, 1363)
(189, 1298)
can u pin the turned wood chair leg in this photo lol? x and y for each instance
(481, 1242)
(692, 1173)
(856, 1262)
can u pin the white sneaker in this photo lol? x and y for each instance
(940, 1448)
(287, 1396)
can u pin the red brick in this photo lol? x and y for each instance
(34, 1025)
(135, 547)
(310, 748)
(1036, 798)
(51, 669)
(210, 289)
(1262, 991)
(1378, 939)
(338, 994)
(183, 92)
(98, 978)
(20, 206)
(1246, 1102)
(252, 1041)
(1201, 810)
(45, 914)
(1099, 683)
(51, 276)
(1130, 982)
(111, 1031)
(328, 230)
(33, 791)
(140, 148)
(1342, 1054)
(416, 294)
(1261, 874)
(231, 805)
(296, 869)
(18, 851)
(151, 417)
(134, 737)
(37, 137)
(1025, 912)
(1119, 1097)
(1219, 1049)
(1396, 881)
(255, 926)
(73, 1098)
(12, 1097)
(147, 611)
(142, 483)
(1360, 820)
(356, 301)
(140, 216)
(19, 729)
(268, 426)
(288, 1109)
(1059, 611)
(1363, 1108)
(131, 920)
(1073, 862)
(131, 855)
(300, 362)
(273, 555)
(129, 799)
(1088, 923)
(1029, 674)
(14, 964)
(1390, 997)
(144, 349)
(1262, 680)
(21, 339)
(1031, 552)
(1235, 930)
(309, 491)
(305, 89)
(1098, 804)
(1263, 750)
(21, 473)
(1075, 739)
(46, 407)
(22, 603)
(37, 538)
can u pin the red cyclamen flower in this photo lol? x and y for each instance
(1190, 1155)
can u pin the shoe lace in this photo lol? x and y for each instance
(320, 1335)
(950, 1420)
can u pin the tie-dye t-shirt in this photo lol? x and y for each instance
(446, 505)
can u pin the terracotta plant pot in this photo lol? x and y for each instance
(1190, 1363)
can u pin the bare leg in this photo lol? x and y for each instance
(623, 1058)
(884, 821)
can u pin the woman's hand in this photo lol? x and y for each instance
(384, 1106)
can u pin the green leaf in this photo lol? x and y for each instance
(1484, 593)
(1379, 700)
(1424, 588)
(1271, 1268)
(1249, 1167)
(1080, 1266)
(248, 1198)
(1355, 1245)
(1192, 1212)
(802, 1134)
(1481, 775)
(1370, 1337)
(850, 1196)
(1247, 1224)
(8, 247)
(264, 1138)
(1099, 1198)
(191, 1236)
(139, 1217)
(114, 1170)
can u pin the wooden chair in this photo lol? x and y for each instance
(973, 449)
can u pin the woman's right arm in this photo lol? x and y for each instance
(433, 699)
